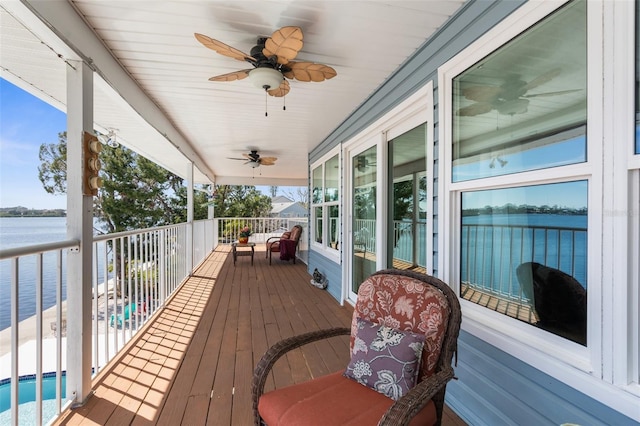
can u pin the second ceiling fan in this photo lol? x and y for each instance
(253, 159)
(272, 61)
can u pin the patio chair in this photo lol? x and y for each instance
(286, 244)
(405, 328)
(120, 319)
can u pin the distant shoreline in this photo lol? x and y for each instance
(20, 211)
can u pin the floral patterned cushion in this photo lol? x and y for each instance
(408, 304)
(385, 359)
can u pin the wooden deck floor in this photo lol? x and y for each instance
(193, 363)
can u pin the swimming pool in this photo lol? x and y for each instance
(27, 398)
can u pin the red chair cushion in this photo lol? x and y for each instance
(331, 400)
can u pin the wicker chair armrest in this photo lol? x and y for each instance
(275, 352)
(403, 410)
(272, 239)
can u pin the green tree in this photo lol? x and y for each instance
(241, 201)
(136, 192)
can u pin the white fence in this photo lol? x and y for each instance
(133, 274)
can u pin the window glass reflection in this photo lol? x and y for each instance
(524, 254)
(316, 192)
(524, 106)
(407, 203)
(331, 173)
(318, 227)
(334, 228)
(364, 216)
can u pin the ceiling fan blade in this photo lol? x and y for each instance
(223, 49)
(232, 158)
(284, 43)
(481, 93)
(232, 76)
(310, 71)
(475, 109)
(548, 76)
(561, 92)
(280, 91)
(268, 161)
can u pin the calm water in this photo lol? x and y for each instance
(16, 232)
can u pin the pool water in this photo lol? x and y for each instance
(27, 397)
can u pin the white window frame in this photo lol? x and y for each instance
(325, 248)
(624, 322)
(416, 110)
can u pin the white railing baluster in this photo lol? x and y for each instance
(59, 330)
(15, 355)
(38, 390)
(96, 311)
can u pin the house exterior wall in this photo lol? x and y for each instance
(498, 384)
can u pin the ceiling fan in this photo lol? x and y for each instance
(253, 159)
(272, 61)
(509, 98)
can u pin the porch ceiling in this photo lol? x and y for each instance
(153, 74)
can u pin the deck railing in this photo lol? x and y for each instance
(262, 228)
(133, 274)
(490, 255)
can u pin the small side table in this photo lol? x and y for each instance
(235, 246)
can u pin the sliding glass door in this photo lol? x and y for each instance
(364, 196)
(406, 248)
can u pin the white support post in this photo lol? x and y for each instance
(190, 264)
(210, 199)
(79, 227)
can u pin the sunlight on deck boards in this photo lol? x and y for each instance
(193, 363)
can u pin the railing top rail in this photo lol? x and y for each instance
(491, 225)
(38, 248)
(111, 236)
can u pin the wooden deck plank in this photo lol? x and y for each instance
(193, 362)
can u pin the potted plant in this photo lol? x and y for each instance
(244, 235)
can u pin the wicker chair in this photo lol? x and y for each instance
(428, 307)
(289, 238)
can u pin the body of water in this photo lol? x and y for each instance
(25, 231)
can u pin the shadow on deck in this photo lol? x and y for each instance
(193, 363)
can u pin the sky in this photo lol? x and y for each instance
(26, 122)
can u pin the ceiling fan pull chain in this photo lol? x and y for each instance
(284, 103)
(266, 114)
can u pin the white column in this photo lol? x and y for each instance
(189, 182)
(79, 227)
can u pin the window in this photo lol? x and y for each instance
(524, 254)
(523, 249)
(534, 188)
(523, 107)
(325, 199)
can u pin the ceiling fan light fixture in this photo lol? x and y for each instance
(266, 78)
(253, 164)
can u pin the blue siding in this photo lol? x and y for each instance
(330, 269)
(495, 388)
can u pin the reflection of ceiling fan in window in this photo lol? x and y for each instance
(363, 164)
(509, 98)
